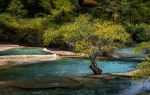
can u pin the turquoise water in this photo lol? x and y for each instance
(24, 51)
(21, 80)
(64, 67)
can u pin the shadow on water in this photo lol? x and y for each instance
(78, 86)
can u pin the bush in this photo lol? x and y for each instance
(24, 31)
(140, 32)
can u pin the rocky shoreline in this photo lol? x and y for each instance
(4, 47)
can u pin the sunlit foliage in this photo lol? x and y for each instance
(144, 67)
(62, 11)
(92, 36)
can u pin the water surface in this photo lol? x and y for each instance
(24, 51)
(45, 74)
(64, 67)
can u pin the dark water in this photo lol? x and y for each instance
(90, 86)
(24, 51)
(39, 79)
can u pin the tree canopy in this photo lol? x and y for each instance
(94, 27)
(91, 37)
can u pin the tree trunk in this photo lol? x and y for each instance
(96, 70)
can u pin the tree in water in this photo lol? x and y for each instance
(93, 37)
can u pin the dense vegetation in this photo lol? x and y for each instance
(100, 24)
(25, 21)
(144, 67)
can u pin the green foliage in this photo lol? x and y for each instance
(144, 67)
(62, 11)
(47, 5)
(91, 37)
(143, 46)
(140, 32)
(135, 11)
(44, 15)
(51, 35)
(16, 8)
(22, 31)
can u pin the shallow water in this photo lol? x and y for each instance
(128, 53)
(24, 51)
(39, 79)
(64, 67)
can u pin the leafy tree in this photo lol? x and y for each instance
(140, 32)
(94, 38)
(51, 35)
(16, 8)
(62, 11)
(47, 5)
(134, 11)
(18, 30)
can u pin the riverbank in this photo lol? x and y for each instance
(29, 59)
(4, 47)
(20, 59)
(13, 60)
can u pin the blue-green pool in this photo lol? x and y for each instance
(24, 51)
(64, 67)
(44, 73)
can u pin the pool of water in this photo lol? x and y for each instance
(64, 67)
(55, 72)
(24, 51)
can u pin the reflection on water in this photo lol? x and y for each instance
(90, 86)
(142, 87)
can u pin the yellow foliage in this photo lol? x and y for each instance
(90, 37)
